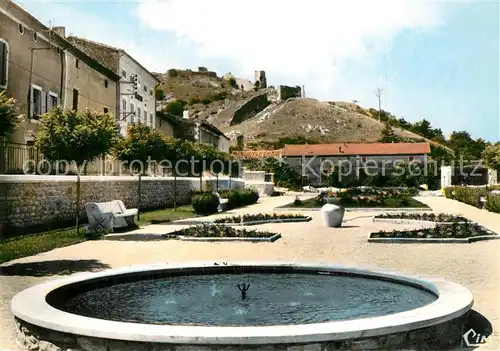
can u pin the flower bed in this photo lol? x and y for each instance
(451, 231)
(371, 197)
(427, 217)
(221, 232)
(262, 218)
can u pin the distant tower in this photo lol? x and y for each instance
(303, 91)
(260, 76)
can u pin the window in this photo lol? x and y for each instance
(105, 110)
(4, 64)
(35, 37)
(124, 73)
(151, 92)
(77, 62)
(145, 89)
(52, 101)
(75, 99)
(124, 105)
(138, 115)
(20, 28)
(36, 101)
(132, 115)
(105, 83)
(151, 119)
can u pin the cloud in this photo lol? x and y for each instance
(306, 40)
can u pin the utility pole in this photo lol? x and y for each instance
(379, 93)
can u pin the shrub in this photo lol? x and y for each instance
(176, 107)
(171, 73)
(242, 197)
(205, 204)
(493, 203)
(469, 195)
(194, 101)
(232, 83)
(206, 101)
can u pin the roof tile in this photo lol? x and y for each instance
(352, 149)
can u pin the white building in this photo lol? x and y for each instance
(135, 102)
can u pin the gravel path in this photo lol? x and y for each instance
(476, 265)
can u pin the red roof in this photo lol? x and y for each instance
(256, 154)
(353, 149)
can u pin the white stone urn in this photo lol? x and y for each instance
(332, 215)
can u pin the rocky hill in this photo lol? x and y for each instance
(262, 119)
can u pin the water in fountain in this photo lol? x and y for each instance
(214, 299)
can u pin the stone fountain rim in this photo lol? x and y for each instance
(453, 301)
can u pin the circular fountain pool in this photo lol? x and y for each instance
(283, 305)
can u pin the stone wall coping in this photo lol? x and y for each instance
(6, 178)
(453, 301)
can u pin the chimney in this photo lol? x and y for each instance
(60, 30)
(185, 114)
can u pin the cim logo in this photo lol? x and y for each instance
(472, 339)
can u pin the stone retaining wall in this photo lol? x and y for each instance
(30, 201)
(447, 335)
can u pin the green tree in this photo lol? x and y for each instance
(388, 135)
(76, 137)
(8, 114)
(141, 146)
(176, 107)
(159, 93)
(465, 146)
(8, 121)
(491, 156)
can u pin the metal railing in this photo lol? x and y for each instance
(14, 158)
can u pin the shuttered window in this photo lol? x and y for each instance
(4, 63)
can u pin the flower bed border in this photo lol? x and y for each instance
(221, 239)
(414, 221)
(357, 209)
(266, 221)
(468, 240)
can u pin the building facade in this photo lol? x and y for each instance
(31, 67)
(207, 134)
(41, 70)
(135, 92)
(88, 83)
(314, 161)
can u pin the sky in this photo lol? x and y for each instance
(434, 60)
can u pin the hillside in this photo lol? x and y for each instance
(262, 119)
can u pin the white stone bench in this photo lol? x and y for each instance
(223, 203)
(109, 215)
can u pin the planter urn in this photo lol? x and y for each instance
(332, 215)
(332, 200)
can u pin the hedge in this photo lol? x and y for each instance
(205, 204)
(471, 195)
(242, 197)
(203, 201)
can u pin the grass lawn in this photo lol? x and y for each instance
(28, 245)
(165, 215)
(406, 202)
(32, 244)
